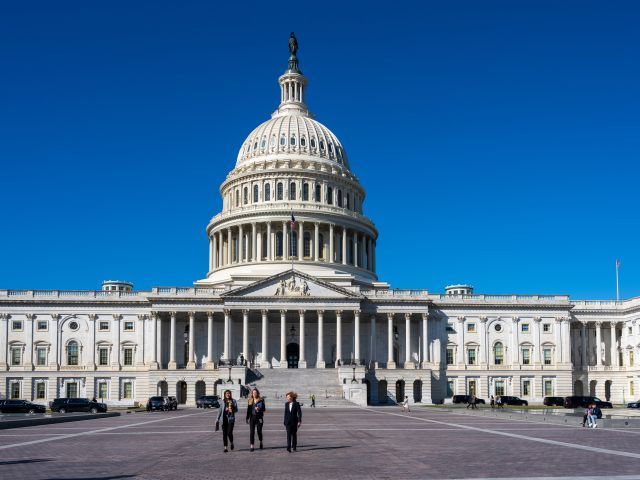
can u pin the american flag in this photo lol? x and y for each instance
(292, 223)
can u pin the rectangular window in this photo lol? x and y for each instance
(40, 390)
(128, 356)
(630, 330)
(16, 325)
(127, 390)
(449, 356)
(547, 356)
(41, 356)
(499, 387)
(471, 356)
(450, 328)
(546, 327)
(526, 356)
(631, 358)
(103, 390)
(16, 355)
(524, 328)
(103, 326)
(42, 325)
(526, 388)
(128, 326)
(449, 388)
(632, 388)
(15, 391)
(548, 388)
(471, 328)
(103, 356)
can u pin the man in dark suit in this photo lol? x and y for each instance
(292, 420)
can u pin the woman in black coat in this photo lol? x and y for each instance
(227, 415)
(292, 420)
(255, 416)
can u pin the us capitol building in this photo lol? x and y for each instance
(292, 289)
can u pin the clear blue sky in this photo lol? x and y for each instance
(498, 141)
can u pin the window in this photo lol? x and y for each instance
(329, 196)
(449, 356)
(331, 147)
(318, 192)
(103, 356)
(449, 328)
(526, 388)
(263, 143)
(16, 355)
(340, 198)
(42, 325)
(245, 196)
(103, 326)
(267, 192)
(279, 244)
(279, 191)
(293, 140)
(282, 141)
(546, 353)
(307, 244)
(498, 327)
(548, 388)
(499, 388)
(128, 326)
(72, 353)
(272, 142)
(40, 391)
(471, 327)
(321, 246)
(631, 358)
(303, 141)
(103, 390)
(255, 194)
(73, 325)
(15, 391)
(471, 356)
(630, 330)
(128, 357)
(16, 325)
(546, 327)
(524, 328)
(526, 356)
(237, 198)
(313, 143)
(127, 390)
(293, 238)
(632, 388)
(305, 192)
(255, 145)
(450, 388)
(41, 356)
(498, 354)
(321, 144)
(292, 191)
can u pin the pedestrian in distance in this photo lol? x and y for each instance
(255, 417)
(292, 420)
(499, 403)
(313, 400)
(227, 415)
(493, 402)
(405, 404)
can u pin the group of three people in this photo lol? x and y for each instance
(255, 418)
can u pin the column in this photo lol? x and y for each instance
(316, 239)
(154, 341)
(229, 247)
(320, 359)
(55, 341)
(259, 252)
(373, 256)
(191, 361)
(407, 340)
(220, 252)
(425, 336)
(390, 362)
(613, 355)
(300, 242)
(558, 334)
(332, 257)
(373, 347)
(484, 344)
(29, 347)
(285, 242)
(460, 331)
(240, 245)
(368, 253)
(214, 254)
(227, 341)
(265, 339)
(283, 339)
(356, 256)
(159, 340)
(172, 344)
(116, 341)
(245, 333)
(566, 340)
(338, 338)
(254, 243)
(211, 250)
(344, 246)
(139, 340)
(4, 340)
(269, 249)
(302, 362)
(536, 340)
(598, 344)
(583, 343)
(210, 364)
(515, 347)
(356, 335)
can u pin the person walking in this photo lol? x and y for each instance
(255, 416)
(499, 402)
(292, 420)
(227, 415)
(493, 402)
(472, 402)
(405, 405)
(313, 400)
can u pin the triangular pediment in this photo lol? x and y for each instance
(291, 284)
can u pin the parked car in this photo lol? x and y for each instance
(172, 403)
(208, 401)
(20, 406)
(635, 404)
(509, 400)
(68, 405)
(465, 399)
(553, 401)
(157, 403)
(581, 401)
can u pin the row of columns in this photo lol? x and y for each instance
(613, 348)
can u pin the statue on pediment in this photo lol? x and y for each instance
(292, 288)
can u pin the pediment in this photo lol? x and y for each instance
(291, 285)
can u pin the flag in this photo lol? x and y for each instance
(618, 263)
(292, 223)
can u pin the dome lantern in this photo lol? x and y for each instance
(292, 86)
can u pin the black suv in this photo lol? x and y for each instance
(171, 402)
(508, 400)
(580, 401)
(553, 401)
(20, 406)
(157, 403)
(208, 401)
(65, 405)
(466, 399)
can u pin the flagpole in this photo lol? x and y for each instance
(617, 284)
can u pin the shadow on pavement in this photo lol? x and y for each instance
(33, 460)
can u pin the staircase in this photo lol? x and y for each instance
(274, 383)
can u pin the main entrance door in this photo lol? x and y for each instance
(72, 390)
(293, 355)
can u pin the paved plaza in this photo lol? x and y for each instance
(333, 443)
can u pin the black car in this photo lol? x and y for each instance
(157, 403)
(508, 400)
(581, 401)
(635, 404)
(466, 399)
(553, 401)
(208, 401)
(66, 405)
(172, 403)
(20, 406)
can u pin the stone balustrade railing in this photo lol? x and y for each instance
(69, 293)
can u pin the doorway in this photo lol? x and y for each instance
(201, 389)
(72, 390)
(382, 392)
(417, 391)
(181, 392)
(162, 389)
(400, 391)
(293, 355)
(472, 387)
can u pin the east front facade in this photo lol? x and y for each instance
(292, 287)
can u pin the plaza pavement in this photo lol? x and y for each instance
(351, 443)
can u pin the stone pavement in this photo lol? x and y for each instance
(352, 443)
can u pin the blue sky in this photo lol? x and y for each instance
(497, 140)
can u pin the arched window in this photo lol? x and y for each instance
(72, 353)
(282, 140)
(255, 145)
(307, 244)
(279, 244)
(321, 246)
(293, 236)
(305, 192)
(237, 198)
(246, 195)
(255, 194)
(321, 144)
(303, 142)
(330, 147)
(292, 191)
(339, 153)
(313, 143)
(339, 198)
(293, 140)
(318, 192)
(329, 196)
(263, 143)
(348, 202)
(267, 192)
(272, 142)
(498, 353)
(279, 191)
